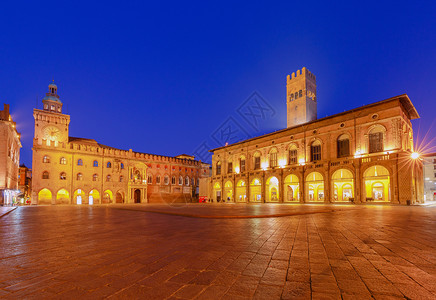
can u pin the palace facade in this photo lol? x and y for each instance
(362, 155)
(70, 170)
(10, 145)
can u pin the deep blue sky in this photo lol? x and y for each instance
(161, 78)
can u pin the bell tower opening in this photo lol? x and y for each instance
(301, 98)
(51, 100)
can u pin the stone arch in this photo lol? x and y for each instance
(342, 183)
(291, 188)
(62, 197)
(255, 190)
(376, 181)
(272, 189)
(241, 191)
(79, 197)
(217, 191)
(119, 197)
(314, 187)
(45, 196)
(228, 191)
(94, 197)
(107, 197)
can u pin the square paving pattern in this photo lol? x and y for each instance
(355, 252)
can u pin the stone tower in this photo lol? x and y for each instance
(301, 98)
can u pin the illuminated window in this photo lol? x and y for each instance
(186, 180)
(63, 176)
(80, 162)
(79, 176)
(293, 156)
(63, 161)
(109, 164)
(229, 167)
(95, 164)
(315, 151)
(180, 180)
(166, 179)
(95, 177)
(45, 175)
(218, 168)
(273, 158)
(343, 144)
(108, 178)
(46, 159)
(52, 107)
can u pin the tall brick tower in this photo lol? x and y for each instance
(301, 98)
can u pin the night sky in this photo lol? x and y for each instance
(165, 78)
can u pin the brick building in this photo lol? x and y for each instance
(361, 155)
(71, 170)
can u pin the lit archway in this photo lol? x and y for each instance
(107, 197)
(79, 197)
(217, 191)
(228, 191)
(94, 197)
(377, 184)
(342, 185)
(272, 189)
(63, 197)
(314, 187)
(291, 189)
(241, 191)
(44, 196)
(255, 190)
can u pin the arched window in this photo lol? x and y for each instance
(149, 179)
(158, 179)
(343, 145)
(46, 159)
(218, 168)
(293, 155)
(193, 181)
(315, 151)
(45, 175)
(229, 167)
(273, 158)
(95, 177)
(80, 162)
(173, 180)
(242, 163)
(63, 161)
(186, 180)
(121, 178)
(109, 164)
(166, 180)
(121, 165)
(108, 178)
(376, 139)
(63, 176)
(256, 161)
(79, 176)
(180, 180)
(300, 93)
(95, 164)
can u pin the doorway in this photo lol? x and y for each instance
(137, 196)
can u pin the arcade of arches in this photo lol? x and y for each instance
(313, 187)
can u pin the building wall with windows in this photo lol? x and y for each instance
(10, 145)
(361, 155)
(24, 182)
(430, 177)
(69, 170)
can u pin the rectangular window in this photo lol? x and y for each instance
(292, 156)
(315, 153)
(273, 160)
(242, 164)
(218, 169)
(343, 148)
(375, 142)
(230, 167)
(257, 163)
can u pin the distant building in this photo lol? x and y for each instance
(71, 170)
(361, 155)
(24, 183)
(430, 177)
(10, 145)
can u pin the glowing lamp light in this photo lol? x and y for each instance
(264, 166)
(415, 155)
(357, 154)
(301, 161)
(237, 170)
(282, 163)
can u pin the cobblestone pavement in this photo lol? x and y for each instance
(383, 252)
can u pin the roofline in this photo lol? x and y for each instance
(413, 114)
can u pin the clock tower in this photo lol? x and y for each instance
(51, 125)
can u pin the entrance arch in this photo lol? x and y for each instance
(291, 188)
(79, 196)
(342, 185)
(63, 197)
(314, 187)
(228, 191)
(377, 184)
(107, 197)
(272, 189)
(217, 191)
(255, 190)
(137, 196)
(44, 196)
(241, 191)
(94, 197)
(119, 198)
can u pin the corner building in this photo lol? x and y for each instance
(361, 155)
(71, 170)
